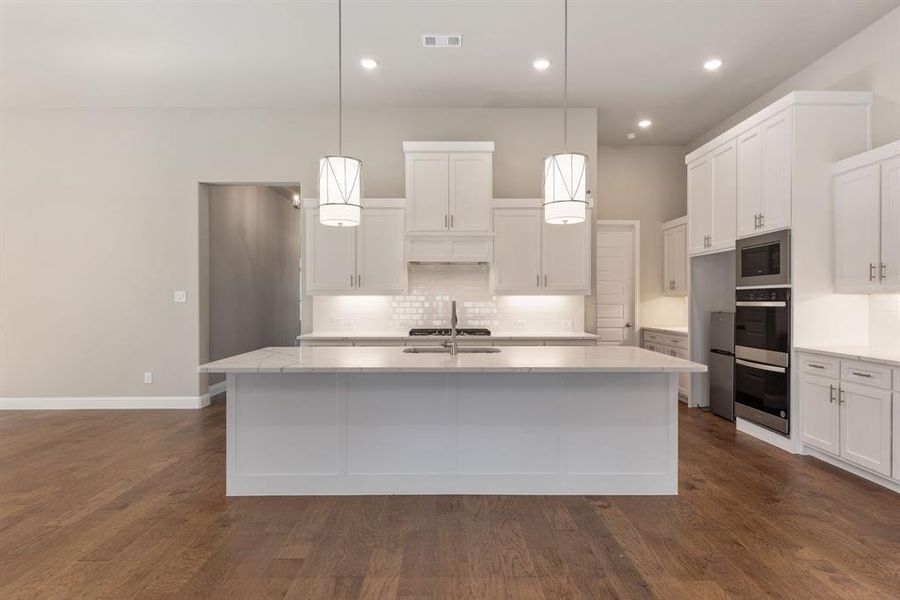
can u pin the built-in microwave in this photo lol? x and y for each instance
(764, 260)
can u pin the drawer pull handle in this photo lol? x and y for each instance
(858, 374)
(815, 366)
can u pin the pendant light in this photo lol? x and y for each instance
(565, 174)
(340, 177)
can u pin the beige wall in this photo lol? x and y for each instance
(100, 221)
(870, 60)
(645, 183)
(254, 270)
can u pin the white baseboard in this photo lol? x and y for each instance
(105, 402)
(873, 477)
(763, 434)
(216, 388)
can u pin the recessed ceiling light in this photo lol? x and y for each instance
(645, 123)
(368, 63)
(541, 64)
(630, 136)
(712, 64)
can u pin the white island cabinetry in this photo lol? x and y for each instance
(546, 420)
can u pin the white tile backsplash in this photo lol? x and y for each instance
(884, 320)
(431, 288)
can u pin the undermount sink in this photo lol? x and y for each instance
(446, 350)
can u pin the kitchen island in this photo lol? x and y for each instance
(525, 420)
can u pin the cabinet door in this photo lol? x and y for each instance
(427, 192)
(567, 258)
(675, 261)
(380, 264)
(724, 197)
(777, 167)
(684, 379)
(700, 191)
(471, 188)
(895, 436)
(749, 191)
(820, 424)
(516, 268)
(866, 427)
(890, 227)
(857, 217)
(330, 257)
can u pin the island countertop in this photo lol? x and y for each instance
(520, 359)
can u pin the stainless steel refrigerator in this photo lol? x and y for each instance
(721, 364)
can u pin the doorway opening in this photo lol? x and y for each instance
(250, 271)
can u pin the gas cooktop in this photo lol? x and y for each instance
(445, 331)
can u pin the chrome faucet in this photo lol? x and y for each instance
(453, 344)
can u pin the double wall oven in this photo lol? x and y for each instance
(762, 331)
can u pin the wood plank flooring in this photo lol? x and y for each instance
(130, 504)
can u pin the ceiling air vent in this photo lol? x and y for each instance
(442, 40)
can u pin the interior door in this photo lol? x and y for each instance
(330, 257)
(749, 191)
(615, 285)
(380, 265)
(724, 196)
(699, 203)
(427, 186)
(890, 227)
(471, 184)
(516, 268)
(567, 258)
(866, 427)
(777, 166)
(857, 214)
(820, 424)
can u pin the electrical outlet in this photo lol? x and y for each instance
(180, 296)
(521, 324)
(148, 377)
(568, 325)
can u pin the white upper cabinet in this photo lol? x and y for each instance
(518, 264)
(699, 189)
(532, 257)
(449, 192)
(675, 258)
(428, 192)
(764, 176)
(367, 259)
(471, 188)
(712, 191)
(867, 222)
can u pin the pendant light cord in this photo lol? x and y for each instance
(566, 76)
(340, 82)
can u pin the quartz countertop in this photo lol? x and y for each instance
(499, 335)
(518, 359)
(888, 356)
(679, 329)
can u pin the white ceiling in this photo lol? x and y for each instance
(629, 59)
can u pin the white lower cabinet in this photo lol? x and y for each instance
(851, 421)
(820, 415)
(866, 427)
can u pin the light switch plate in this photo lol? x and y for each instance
(180, 296)
(148, 377)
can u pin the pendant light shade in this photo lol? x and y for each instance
(565, 195)
(339, 193)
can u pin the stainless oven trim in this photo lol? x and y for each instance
(764, 357)
(759, 417)
(760, 366)
(781, 237)
(781, 304)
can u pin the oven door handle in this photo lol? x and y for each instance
(762, 304)
(760, 366)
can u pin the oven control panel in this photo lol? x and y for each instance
(763, 295)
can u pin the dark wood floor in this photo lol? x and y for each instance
(130, 504)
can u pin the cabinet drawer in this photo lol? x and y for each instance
(866, 373)
(652, 336)
(653, 347)
(825, 366)
(676, 341)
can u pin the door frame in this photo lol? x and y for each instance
(634, 226)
